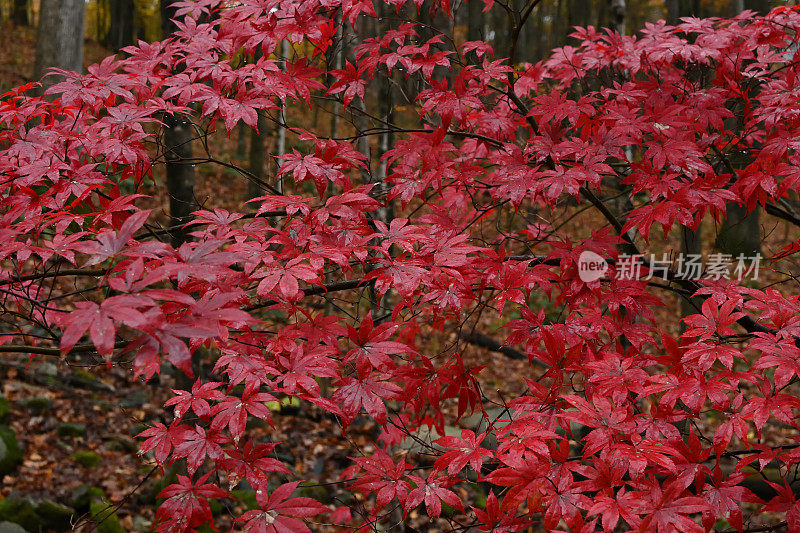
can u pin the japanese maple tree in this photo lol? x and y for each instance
(625, 422)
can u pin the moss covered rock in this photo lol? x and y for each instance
(45, 515)
(67, 430)
(38, 405)
(83, 496)
(105, 517)
(55, 516)
(247, 497)
(5, 409)
(86, 458)
(10, 452)
(20, 511)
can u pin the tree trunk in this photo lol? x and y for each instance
(740, 233)
(177, 141)
(258, 157)
(475, 20)
(180, 176)
(691, 244)
(242, 131)
(673, 11)
(19, 13)
(616, 15)
(338, 61)
(762, 7)
(280, 130)
(59, 40)
(120, 30)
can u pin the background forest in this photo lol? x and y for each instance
(68, 453)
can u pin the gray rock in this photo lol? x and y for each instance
(11, 527)
(141, 523)
(48, 369)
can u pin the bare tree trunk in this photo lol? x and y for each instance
(59, 40)
(280, 130)
(177, 140)
(762, 7)
(19, 13)
(673, 11)
(258, 156)
(99, 20)
(617, 12)
(120, 29)
(338, 61)
(241, 140)
(740, 233)
(386, 139)
(691, 244)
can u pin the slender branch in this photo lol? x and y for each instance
(318, 289)
(40, 350)
(167, 230)
(484, 341)
(55, 274)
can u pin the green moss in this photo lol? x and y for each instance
(46, 515)
(247, 497)
(105, 517)
(10, 452)
(83, 496)
(314, 491)
(54, 515)
(20, 511)
(38, 405)
(71, 430)
(5, 408)
(87, 459)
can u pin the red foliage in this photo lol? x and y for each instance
(605, 434)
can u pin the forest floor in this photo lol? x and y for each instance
(76, 424)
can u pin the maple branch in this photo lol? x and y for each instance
(517, 29)
(40, 350)
(168, 229)
(737, 453)
(762, 529)
(598, 203)
(786, 213)
(397, 129)
(55, 274)
(484, 341)
(317, 290)
(747, 322)
(781, 213)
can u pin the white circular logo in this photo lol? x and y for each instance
(591, 266)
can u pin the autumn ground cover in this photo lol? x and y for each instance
(77, 421)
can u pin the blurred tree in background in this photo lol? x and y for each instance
(117, 23)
